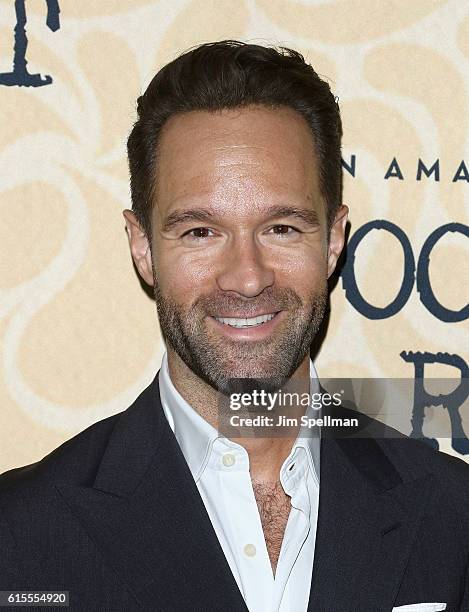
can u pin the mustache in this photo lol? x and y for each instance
(272, 300)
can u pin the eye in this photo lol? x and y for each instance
(284, 230)
(198, 233)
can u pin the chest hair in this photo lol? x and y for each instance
(274, 507)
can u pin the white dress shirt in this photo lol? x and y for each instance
(220, 468)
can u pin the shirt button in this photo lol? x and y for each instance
(228, 460)
(250, 550)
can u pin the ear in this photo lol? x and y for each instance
(139, 246)
(336, 238)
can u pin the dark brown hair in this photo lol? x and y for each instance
(231, 74)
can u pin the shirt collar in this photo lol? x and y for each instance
(196, 436)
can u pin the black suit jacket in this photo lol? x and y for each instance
(114, 517)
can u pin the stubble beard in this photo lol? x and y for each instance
(225, 364)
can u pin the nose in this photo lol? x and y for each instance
(245, 269)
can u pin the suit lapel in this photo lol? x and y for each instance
(367, 522)
(146, 516)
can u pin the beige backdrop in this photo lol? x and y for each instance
(79, 339)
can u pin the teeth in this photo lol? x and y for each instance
(242, 322)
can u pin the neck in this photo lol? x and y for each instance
(266, 455)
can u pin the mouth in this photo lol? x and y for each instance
(244, 322)
(260, 327)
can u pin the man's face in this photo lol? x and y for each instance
(240, 252)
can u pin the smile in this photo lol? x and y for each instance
(246, 322)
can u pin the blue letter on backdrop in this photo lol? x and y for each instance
(349, 282)
(427, 296)
(19, 75)
(451, 401)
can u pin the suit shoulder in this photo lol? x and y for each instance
(414, 458)
(423, 456)
(75, 461)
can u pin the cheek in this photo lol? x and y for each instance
(184, 275)
(305, 266)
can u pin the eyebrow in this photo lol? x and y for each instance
(179, 217)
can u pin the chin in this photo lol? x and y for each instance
(242, 378)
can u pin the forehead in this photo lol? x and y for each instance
(248, 153)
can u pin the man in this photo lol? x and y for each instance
(237, 223)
